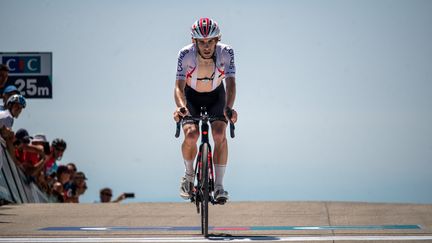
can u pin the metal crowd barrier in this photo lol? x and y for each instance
(15, 186)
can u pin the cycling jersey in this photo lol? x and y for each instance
(187, 68)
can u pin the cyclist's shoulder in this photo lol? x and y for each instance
(224, 47)
(187, 54)
(187, 49)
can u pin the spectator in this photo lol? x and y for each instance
(40, 139)
(72, 169)
(7, 136)
(57, 192)
(30, 157)
(8, 92)
(22, 137)
(62, 179)
(14, 106)
(106, 195)
(76, 187)
(58, 146)
(4, 74)
(50, 180)
(80, 180)
(63, 174)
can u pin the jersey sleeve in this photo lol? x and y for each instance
(228, 55)
(182, 64)
(7, 122)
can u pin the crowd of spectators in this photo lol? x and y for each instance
(35, 155)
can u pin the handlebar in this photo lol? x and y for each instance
(229, 114)
(232, 127)
(177, 134)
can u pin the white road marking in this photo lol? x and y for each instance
(219, 239)
(95, 229)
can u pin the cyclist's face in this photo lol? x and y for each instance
(207, 47)
(58, 153)
(16, 110)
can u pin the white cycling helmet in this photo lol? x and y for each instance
(205, 28)
(16, 98)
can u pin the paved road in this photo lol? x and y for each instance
(236, 221)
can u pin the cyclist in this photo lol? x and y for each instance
(14, 105)
(202, 67)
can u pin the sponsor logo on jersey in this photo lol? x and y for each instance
(180, 60)
(231, 52)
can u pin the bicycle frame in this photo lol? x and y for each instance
(204, 187)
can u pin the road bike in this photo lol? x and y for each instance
(203, 191)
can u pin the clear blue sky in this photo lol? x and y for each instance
(334, 97)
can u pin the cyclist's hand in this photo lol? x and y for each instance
(233, 115)
(180, 112)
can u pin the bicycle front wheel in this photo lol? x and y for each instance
(204, 189)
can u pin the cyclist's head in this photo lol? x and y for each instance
(18, 99)
(15, 104)
(205, 34)
(59, 146)
(205, 28)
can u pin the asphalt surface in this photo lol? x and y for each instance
(235, 221)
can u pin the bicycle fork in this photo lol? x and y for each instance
(197, 196)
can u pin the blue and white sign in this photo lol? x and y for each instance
(30, 72)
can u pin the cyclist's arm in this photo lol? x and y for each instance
(230, 70)
(179, 95)
(230, 91)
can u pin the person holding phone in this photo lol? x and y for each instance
(106, 196)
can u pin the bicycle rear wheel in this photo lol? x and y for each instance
(204, 189)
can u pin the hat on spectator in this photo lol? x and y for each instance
(10, 89)
(80, 174)
(39, 138)
(22, 134)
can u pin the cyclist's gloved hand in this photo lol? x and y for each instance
(180, 112)
(230, 114)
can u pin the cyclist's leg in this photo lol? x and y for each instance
(191, 132)
(189, 151)
(189, 147)
(220, 157)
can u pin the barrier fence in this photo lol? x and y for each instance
(15, 186)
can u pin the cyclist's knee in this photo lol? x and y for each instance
(219, 136)
(191, 135)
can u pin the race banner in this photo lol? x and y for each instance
(30, 72)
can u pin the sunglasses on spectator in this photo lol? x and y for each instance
(60, 149)
(107, 194)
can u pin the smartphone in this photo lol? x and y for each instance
(129, 195)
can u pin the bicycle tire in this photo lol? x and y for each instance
(204, 189)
